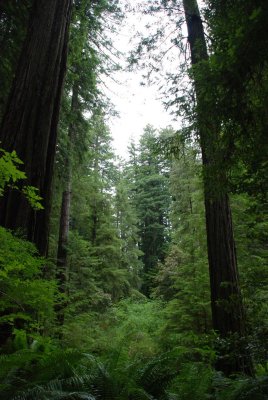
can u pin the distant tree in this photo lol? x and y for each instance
(127, 225)
(94, 220)
(152, 200)
(182, 279)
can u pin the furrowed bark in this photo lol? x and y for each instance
(30, 122)
(226, 302)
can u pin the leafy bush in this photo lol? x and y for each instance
(11, 175)
(26, 298)
(9, 172)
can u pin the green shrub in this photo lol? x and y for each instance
(26, 298)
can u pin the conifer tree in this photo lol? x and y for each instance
(152, 201)
(93, 222)
(127, 226)
(182, 279)
(13, 27)
(196, 104)
(81, 98)
(227, 309)
(81, 82)
(30, 122)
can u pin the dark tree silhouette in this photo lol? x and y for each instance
(30, 122)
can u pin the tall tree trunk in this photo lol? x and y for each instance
(96, 171)
(63, 236)
(30, 122)
(62, 261)
(226, 302)
(62, 254)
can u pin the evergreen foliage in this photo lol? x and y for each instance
(183, 277)
(152, 201)
(127, 227)
(122, 312)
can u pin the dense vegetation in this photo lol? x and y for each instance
(145, 277)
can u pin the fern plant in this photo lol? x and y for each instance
(241, 388)
(25, 373)
(57, 374)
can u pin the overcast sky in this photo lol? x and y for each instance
(137, 105)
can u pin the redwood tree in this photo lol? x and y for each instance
(29, 125)
(226, 302)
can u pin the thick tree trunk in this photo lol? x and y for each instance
(30, 122)
(226, 302)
